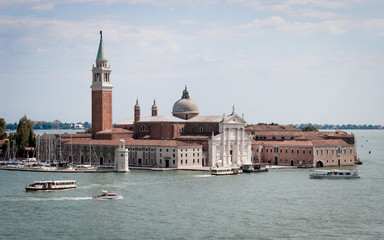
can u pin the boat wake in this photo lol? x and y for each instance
(119, 197)
(203, 176)
(34, 199)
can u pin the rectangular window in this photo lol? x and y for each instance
(303, 151)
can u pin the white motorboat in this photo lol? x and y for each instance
(107, 196)
(51, 185)
(226, 170)
(85, 168)
(335, 173)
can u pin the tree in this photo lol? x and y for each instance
(309, 129)
(87, 125)
(2, 128)
(24, 135)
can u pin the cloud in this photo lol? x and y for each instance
(316, 9)
(44, 7)
(279, 24)
(375, 26)
(191, 22)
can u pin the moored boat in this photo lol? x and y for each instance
(85, 168)
(226, 170)
(254, 167)
(51, 185)
(335, 173)
(105, 195)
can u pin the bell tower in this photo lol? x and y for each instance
(101, 92)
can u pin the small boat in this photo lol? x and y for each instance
(335, 173)
(51, 185)
(106, 195)
(254, 167)
(226, 170)
(85, 168)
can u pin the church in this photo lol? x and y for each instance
(184, 140)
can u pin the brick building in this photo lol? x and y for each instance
(288, 146)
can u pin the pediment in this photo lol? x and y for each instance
(234, 119)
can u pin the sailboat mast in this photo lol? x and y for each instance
(49, 147)
(90, 152)
(60, 147)
(72, 151)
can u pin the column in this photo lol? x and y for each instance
(222, 146)
(242, 145)
(228, 146)
(238, 146)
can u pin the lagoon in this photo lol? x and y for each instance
(280, 204)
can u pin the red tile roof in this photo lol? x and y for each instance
(115, 131)
(271, 128)
(330, 142)
(283, 143)
(131, 142)
(317, 143)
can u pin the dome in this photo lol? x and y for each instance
(185, 106)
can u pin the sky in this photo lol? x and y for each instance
(281, 61)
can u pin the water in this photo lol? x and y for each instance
(280, 204)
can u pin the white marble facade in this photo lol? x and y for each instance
(232, 146)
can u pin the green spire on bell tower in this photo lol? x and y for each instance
(101, 55)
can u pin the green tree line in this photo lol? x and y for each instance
(18, 141)
(50, 125)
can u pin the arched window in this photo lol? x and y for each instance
(182, 130)
(143, 128)
(201, 130)
(97, 77)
